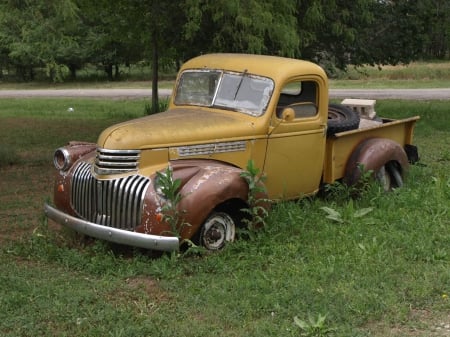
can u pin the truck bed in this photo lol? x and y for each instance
(340, 146)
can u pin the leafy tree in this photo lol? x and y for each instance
(329, 30)
(110, 38)
(156, 27)
(38, 33)
(435, 15)
(260, 27)
(402, 31)
(342, 32)
(67, 34)
(396, 34)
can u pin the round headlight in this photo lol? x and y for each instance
(61, 159)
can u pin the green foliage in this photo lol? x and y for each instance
(256, 27)
(339, 191)
(257, 204)
(163, 104)
(169, 188)
(171, 213)
(41, 34)
(349, 215)
(313, 327)
(62, 37)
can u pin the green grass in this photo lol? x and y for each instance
(42, 301)
(42, 125)
(413, 75)
(383, 274)
(419, 71)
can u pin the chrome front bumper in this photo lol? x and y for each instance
(148, 241)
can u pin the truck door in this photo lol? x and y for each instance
(296, 145)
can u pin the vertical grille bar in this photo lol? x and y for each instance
(115, 207)
(121, 204)
(113, 203)
(112, 198)
(132, 205)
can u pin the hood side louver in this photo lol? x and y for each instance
(116, 161)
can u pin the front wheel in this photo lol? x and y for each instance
(218, 229)
(389, 176)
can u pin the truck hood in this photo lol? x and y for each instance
(177, 127)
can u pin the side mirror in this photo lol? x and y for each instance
(288, 114)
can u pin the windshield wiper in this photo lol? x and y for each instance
(240, 83)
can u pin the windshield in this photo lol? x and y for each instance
(242, 92)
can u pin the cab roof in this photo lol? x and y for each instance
(275, 67)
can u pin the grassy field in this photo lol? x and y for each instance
(386, 273)
(413, 75)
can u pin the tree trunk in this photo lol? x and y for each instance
(109, 70)
(116, 71)
(155, 103)
(31, 72)
(73, 71)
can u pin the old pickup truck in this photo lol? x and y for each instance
(225, 110)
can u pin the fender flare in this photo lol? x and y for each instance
(372, 154)
(206, 184)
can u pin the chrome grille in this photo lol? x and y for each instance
(205, 149)
(114, 203)
(116, 161)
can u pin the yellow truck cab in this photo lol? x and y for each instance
(225, 110)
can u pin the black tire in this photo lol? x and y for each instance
(341, 118)
(389, 176)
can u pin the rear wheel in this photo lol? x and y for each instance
(389, 176)
(218, 229)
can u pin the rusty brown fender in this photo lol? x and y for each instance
(206, 184)
(372, 154)
(74, 150)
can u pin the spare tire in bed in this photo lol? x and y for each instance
(341, 118)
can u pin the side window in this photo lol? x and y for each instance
(301, 96)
